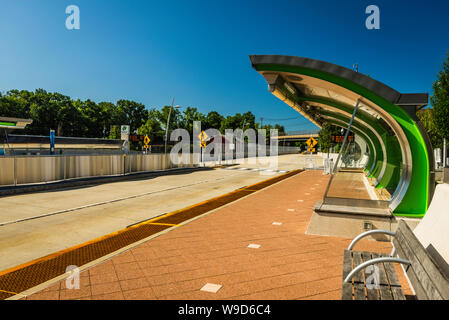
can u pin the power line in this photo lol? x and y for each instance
(282, 119)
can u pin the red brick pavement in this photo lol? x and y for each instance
(213, 249)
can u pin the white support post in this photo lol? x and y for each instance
(444, 153)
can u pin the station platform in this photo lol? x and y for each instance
(253, 248)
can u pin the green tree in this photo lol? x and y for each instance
(440, 99)
(152, 127)
(109, 115)
(188, 117)
(213, 120)
(114, 132)
(93, 122)
(15, 104)
(427, 118)
(249, 120)
(175, 117)
(325, 136)
(134, 113)
(54, 111)
(238, 121)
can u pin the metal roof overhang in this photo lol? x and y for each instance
(14, 123)
(323, 91)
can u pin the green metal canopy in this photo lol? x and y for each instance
(400, 154)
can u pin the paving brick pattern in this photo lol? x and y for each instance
(214, 249)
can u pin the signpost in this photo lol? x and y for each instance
(52, 142)
(124, 130)
(311, 143)
(203, 137)
(146, 141)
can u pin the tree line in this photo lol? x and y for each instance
(77, 118)
(436, 119)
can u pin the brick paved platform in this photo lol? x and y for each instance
(214, 249)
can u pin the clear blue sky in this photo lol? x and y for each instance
(197, 51)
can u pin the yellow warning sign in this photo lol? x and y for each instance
(146, 140)
(202, 136)
(311, 142)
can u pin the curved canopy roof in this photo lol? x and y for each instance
(327, 93)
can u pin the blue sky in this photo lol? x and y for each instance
(197, 51)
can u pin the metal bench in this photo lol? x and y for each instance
(372, 276)
(423, 253)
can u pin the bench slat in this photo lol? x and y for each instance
(419, 291)
(347, 267)
(435, 280)
(385, 293)
(425, 271)
(359, 286)
(395, 285)
(373, 293)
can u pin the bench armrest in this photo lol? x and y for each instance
(374, 261)
(365, 234)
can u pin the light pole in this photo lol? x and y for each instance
(168, 122)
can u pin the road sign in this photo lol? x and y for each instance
(124, 129)
(203, 137)
(311, 142)
(311, 150)
(136, 137)
(341, 138)
(146, 140)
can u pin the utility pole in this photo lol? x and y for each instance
(261, 122)
(168, 123)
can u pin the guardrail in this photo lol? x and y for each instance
(23, 170)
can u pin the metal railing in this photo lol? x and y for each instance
(22, 170)
(31, 169)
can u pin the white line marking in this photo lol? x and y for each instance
(254, 246)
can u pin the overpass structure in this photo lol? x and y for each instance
(400, 156)
(297, 137)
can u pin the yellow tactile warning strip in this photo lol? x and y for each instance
(33, 273)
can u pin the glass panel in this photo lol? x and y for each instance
(369, 167)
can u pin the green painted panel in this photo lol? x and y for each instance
(7, 124)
